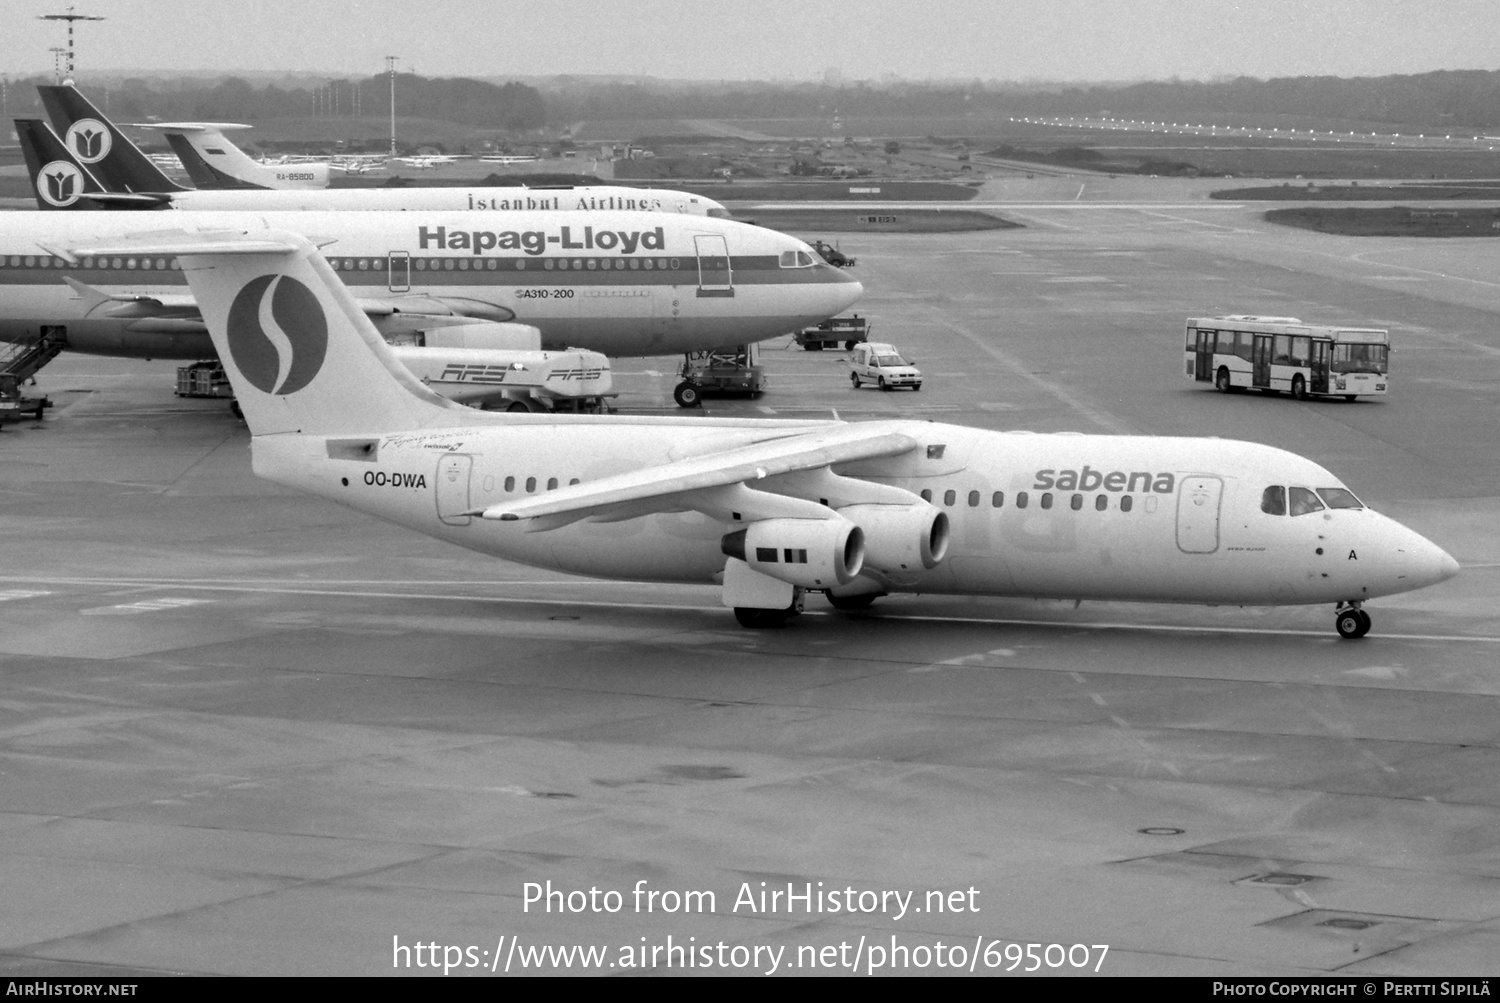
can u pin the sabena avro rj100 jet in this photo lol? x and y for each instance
(773, 509)
(98, 156)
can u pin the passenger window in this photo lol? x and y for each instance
(973, 499)
(997, 499)
(1273, 500)
(552, 484)
(927, 494)
(1077, 503)
(1101, 502)
(1339, 498)
(530, 485)
(1126, 503)
(950, 496)
(1303, 501)
(510, 484)
(1046, 499)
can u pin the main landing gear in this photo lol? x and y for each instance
(1350, 621)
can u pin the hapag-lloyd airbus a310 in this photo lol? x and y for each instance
(771, 510)
(624, 284)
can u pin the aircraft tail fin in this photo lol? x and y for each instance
(115, 160)
(57, 178)
(204, 174)
(300, 353)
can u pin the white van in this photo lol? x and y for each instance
(880, 364)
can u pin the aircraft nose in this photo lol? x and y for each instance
(847, 290)
(1428, 563)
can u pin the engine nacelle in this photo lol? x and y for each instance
(809, 553)
(901, 537)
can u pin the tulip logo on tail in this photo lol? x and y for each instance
(89, 140)
(60, 184)
(278, 334)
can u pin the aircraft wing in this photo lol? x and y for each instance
(182, 304)
(670, 487)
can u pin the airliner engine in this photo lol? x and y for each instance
(808, 553)
(901, 537)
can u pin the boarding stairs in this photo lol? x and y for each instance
(20, 361)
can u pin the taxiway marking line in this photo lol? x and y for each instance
(1093, 414)
(265, 587)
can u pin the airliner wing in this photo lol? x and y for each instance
(181, 304)
(668, 487)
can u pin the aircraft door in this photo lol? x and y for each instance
(1198, 514)
(715, 277)
(1321, 350)
(453, 488)
(1260, 360)
(1205, 355)
(400, 271)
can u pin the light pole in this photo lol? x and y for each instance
(69, 17)
(390, 68)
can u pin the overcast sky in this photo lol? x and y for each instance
(775, 39)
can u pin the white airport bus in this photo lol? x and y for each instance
(1284, 354)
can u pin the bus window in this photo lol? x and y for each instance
(1301, 351)
(1354, 358)
(1192, 339)
(1281, 355)
(1273, 500)
(1226, 343)
(1339, 498)
(1304, 502)
(1244, 339)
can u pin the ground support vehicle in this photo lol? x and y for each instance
(882, 365)
(735, 370)
(203, 379)
(13, 406)
(1282, 354)
(850, 331)
(833, 255)
(19, 363)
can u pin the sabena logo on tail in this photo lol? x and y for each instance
(60, 183)
(278, 334)
(89, 140)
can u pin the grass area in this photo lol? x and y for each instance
(848, 189)
(1396, 221)
(819, 221)
(1356, 192)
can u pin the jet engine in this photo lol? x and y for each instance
(808, 553)
(901, 537)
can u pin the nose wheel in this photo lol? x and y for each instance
(1351, 622)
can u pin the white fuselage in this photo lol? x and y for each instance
(467, 198)
(619, 283)
(1192, 529)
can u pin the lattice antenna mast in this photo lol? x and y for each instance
(390, 69)
(71, 18)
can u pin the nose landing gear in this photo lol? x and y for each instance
(1350, 621)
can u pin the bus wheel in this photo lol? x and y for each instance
(1299, 388)
(1222, 380)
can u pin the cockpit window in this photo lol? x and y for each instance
(1339, 498)
(1303, 501)
(796, 259)
(1273, 500)
(718, 212)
